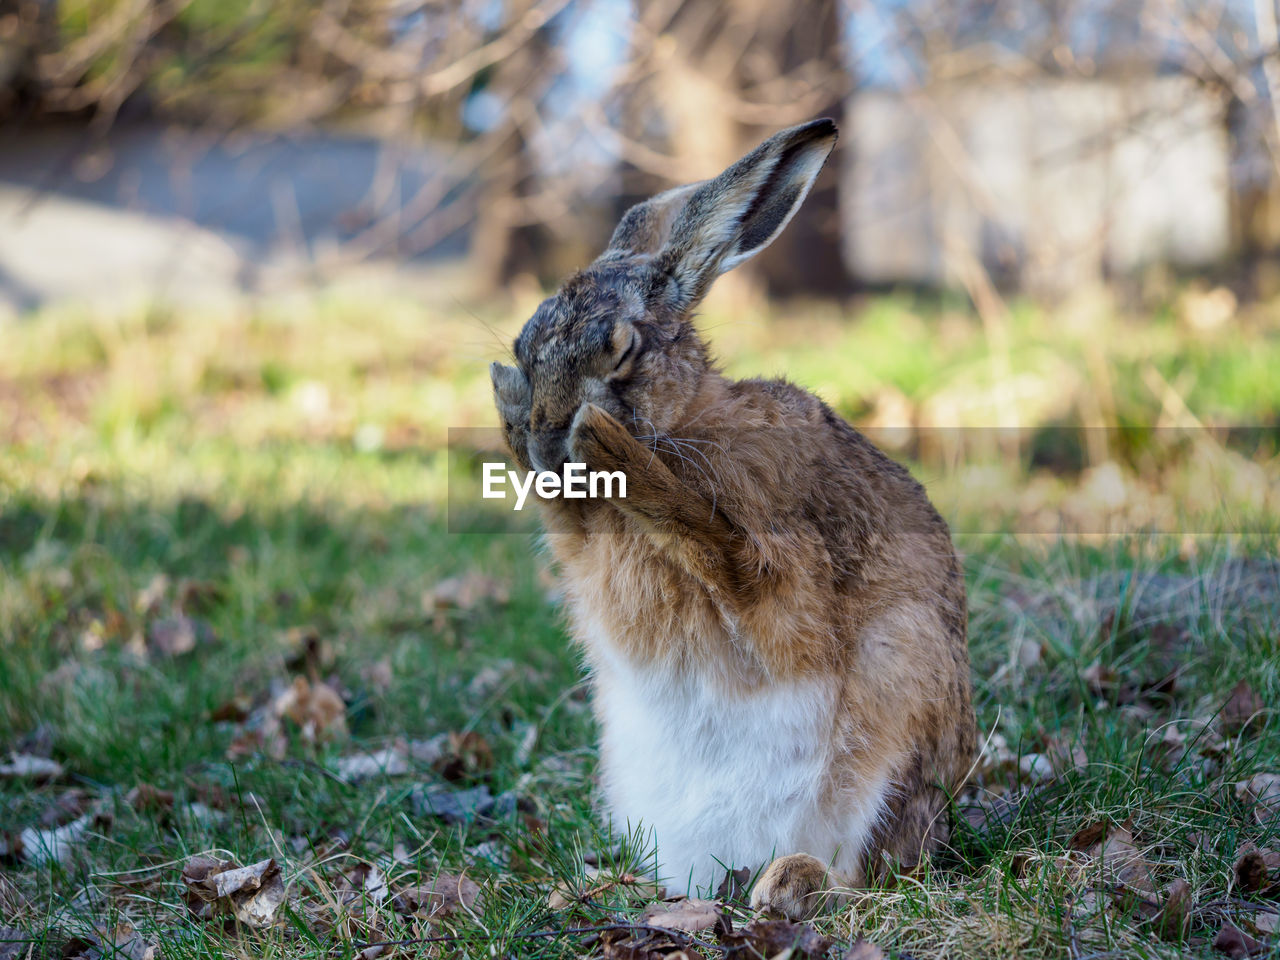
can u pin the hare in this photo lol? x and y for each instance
(773, 617)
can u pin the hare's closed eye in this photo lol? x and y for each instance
(627, 346)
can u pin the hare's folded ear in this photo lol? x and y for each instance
(726, 221)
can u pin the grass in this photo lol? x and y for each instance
(277, 477)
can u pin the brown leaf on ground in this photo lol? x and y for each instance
(66, 806)
(35, 847)
(145, 797)
(1103, 681)
(622, 944)
(686, 916)
(983, 812)
(466, 756)
(363, 883)
(864, 949)
(1250, 871)
(1253, 866)
(307, 652)
(1243, 710)
(1263, 791)
(768, 938)
(444, 894)
(175, 636)
(235, 710)
(149, 598)
(1114, 846)
(465, 593)
(24, 766)
(735, 887)
(122, 942)
(389, 762)
(1065, 755)
(1237, 944)
(316, 708)
(252, 894)
(1265, 922)
(15, 944)
(198, 595)
(996, 761)
(378, 675)
(1170, 919)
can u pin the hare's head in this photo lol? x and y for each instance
(620, 334)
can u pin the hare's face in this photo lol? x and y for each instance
(612, 336)
(618, 335)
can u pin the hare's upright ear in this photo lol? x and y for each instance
(728, 220)
(697, 232)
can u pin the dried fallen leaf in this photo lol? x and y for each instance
(465, 593)
(1170, 919)
(316, 708)
(66, 806)
(235, 710)
(1242, 711)
(1065, 755)
(122, 942)
(252, 894)
(24, 766)
(489, 679)
(626, 944)
(36, 847)
(389, 762)
(439, 897)
(997, 761)
(175, 636)
(1102, 680)
(1237, 944)
(769, 938)
(1035, 767)
(145, 797)
(462, 806)
(1114, 846)
(735, 887)
(363, 883)
(378, 675)
(152, 595)
(686, 916)
(1263, 791)
(466, 756)
(14, 943)
(1250, 870)
(864, 949)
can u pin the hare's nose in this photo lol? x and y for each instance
(548, 448)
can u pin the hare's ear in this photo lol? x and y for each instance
(646, 227)
(726, 221)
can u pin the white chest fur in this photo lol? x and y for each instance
(723, 779)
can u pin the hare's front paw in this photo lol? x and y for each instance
(795, 887)
(597, 439)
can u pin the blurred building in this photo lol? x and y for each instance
(1047, 184)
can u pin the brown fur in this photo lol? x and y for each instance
(762, 538)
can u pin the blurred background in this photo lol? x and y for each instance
(289, 222)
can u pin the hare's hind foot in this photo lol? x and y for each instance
(796, 887)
